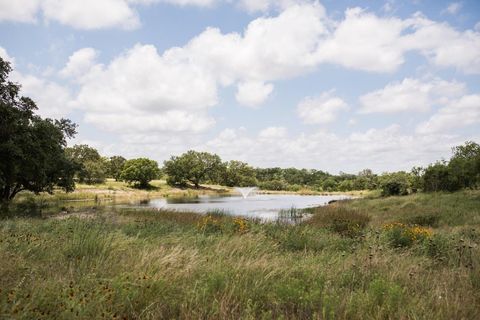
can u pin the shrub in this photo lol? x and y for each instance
(346, 222)
(425, 220)
(210, 224)
(401, 235)
(394, 184)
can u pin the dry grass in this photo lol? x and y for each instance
(135, 264)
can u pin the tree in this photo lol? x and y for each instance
(395, 183)
(465, 165)
(416, 180)
(238, 174)
(438, 177)
(193, 167)
(329, 184)
(140, 171)
(32, 149)
(91, 167)
(115, 166)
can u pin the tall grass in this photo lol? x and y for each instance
(147, 264)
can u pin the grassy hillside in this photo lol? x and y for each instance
(412, 257)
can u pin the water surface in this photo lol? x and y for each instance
(263, 206)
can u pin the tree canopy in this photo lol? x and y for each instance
(91, 167)
(193, 167)
(32, 149)
(140, 171)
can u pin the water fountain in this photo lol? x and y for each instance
(245, 191)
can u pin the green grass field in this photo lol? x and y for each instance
(412, 257)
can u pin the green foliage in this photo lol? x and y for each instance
(438, 177)
(238, 174)
(273, 185)
(140, 171)
(400, 235)
(93, 172)
(329, 185)
(462, 171)
(425, 219)
(92, 168)
(193, 167)
(32, 149)
(115, 166)
(395, 184)
(159, 265)
(339, 219)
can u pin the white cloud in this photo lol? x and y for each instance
(53, 100)
(444, 46)
(271, 48)
(383, 149)
(273, 133)
(456, 114)
(453, 8)
(5, 56)
(253, 6)
(296, 41)
(84, 14)
(321, 109)
(79, 63)
(253, 93)
(366, 42)
(142, 90)
(381, 43)
(411, 95)
(19, 10)
(91, 14)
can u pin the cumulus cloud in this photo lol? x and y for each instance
(444, 46)
(296, 41)
(321, 109)
(141, 90)
(459, 113)
(413, 95)
(84, 14)
(253, 6)
(91, 14)
(381, 149)
(375, 39)
(79, 63)
(273, 133)
(253, 93)
(19, 10)
(53, 100)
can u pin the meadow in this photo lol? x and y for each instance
(409, 257)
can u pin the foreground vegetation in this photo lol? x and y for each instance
(398, 257)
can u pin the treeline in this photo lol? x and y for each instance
(193, 168)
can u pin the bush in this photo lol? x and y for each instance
(277, 185)
(346, 222)
(395, 184)
(401, 235)
(424, 220)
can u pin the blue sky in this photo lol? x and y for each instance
(331, 85)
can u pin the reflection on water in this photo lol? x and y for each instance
(263, 206)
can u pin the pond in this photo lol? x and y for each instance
(263, 206)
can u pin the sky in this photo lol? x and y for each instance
(338, 86)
